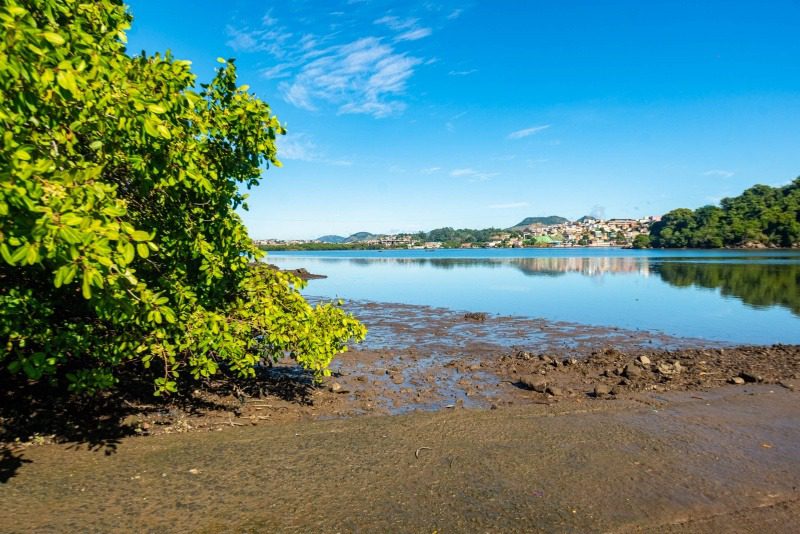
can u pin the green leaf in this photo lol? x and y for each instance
(142, 249)
(151, 128)
(128, 253)
(140, 235)
(54, 38)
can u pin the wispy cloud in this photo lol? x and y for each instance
(430, 170)
(510, 205)
(360, 77)
(409, 28)
(519, 134)
(472, 174)
(414, 35)
(455, 14)
(360, 74)
(719, 173)
(462, 72)
(300, 147)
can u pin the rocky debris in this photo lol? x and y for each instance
(601, 390)
(738, 380)
(621, 373)
(475, 316)
(750, 377)
(534, 382)
(632, 371)
(555, 391)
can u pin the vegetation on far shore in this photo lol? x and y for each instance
(120, 247)
(761, 216)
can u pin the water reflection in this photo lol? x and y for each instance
(756, 284)
(762, 281)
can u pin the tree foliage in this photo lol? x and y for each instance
(119, 181)
(762, 215)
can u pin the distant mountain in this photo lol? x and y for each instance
(360, 236)
(587, 218)
(332, 239)
(546, 221)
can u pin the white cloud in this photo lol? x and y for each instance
(359, 77)
(510, 205)
(462, 72)
(519, 134)
(719, 172)
(355, 74)
(414, 35)
(455, 14)
(472, 174)
(300, 147)
(430, 170)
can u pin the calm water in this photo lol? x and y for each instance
(734, 296)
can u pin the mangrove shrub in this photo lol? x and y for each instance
(120, 178)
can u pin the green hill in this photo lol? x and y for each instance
(546, 221)
(762, 216)
(331, 239)
(360, 236)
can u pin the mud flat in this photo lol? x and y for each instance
(441, 422)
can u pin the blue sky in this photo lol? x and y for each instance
(414, 115)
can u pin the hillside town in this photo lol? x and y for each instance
(585, 232)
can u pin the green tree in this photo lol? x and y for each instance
(119, 181)
(641, 241)
(760, 215)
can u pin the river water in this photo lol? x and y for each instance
(721, 295)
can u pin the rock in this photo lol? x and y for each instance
(632, 371)
(666, 369)
(750, 377)
(787, 385)
(644, 360)
(397, 378)
(336, 386)
(738, 380)
(616, 390)
(676, 365)
(534, 382)
(544, 358)
(570, 361)
(554, 391)
(601, 390)
(523, 355)
(194, 471)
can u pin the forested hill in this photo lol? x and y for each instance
(547, 221)
(762, 215)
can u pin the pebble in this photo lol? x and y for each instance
(644, 360)
(632, 371)
(601, 389)
(554, 391)
(737, 380)
(397, 378)
(336, 386)
(536, 383)
(750, 377)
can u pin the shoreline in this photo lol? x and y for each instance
(446, 422)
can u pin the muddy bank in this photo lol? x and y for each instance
(659, 463)
(442, 421)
